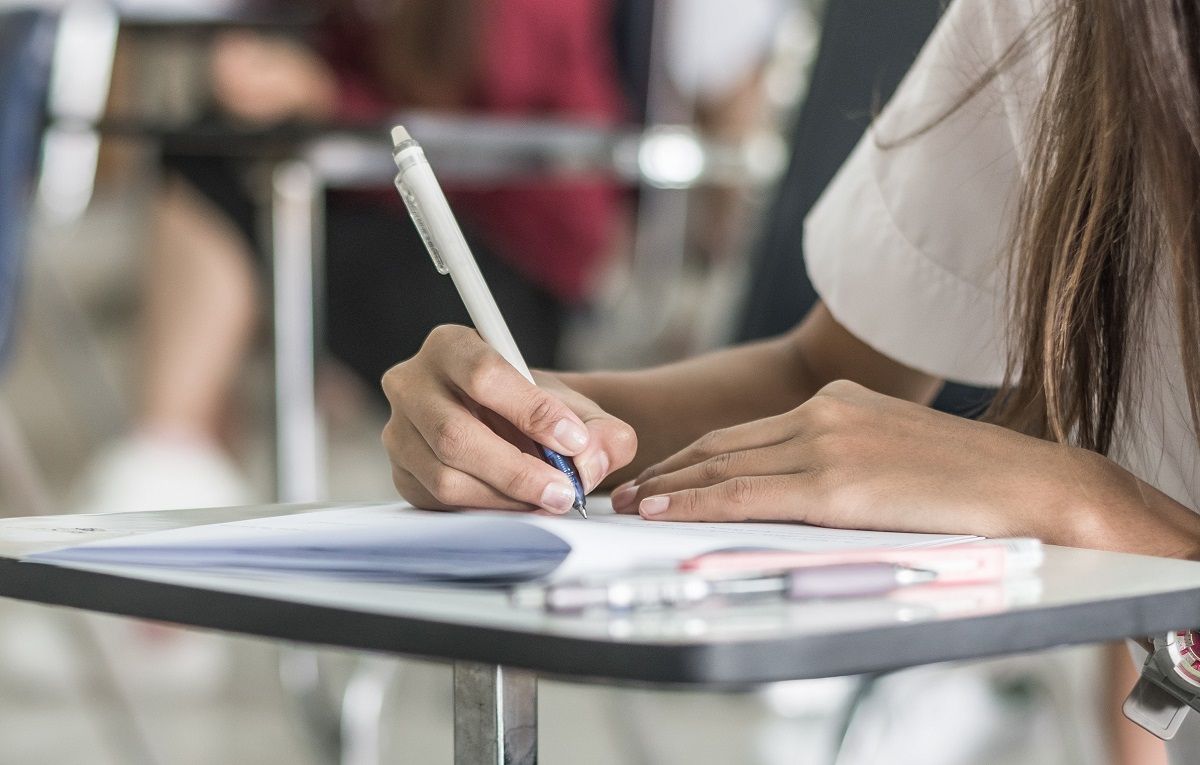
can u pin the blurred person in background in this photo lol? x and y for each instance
(710, 73)
(540, 244)
(717, 61)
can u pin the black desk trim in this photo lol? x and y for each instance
(714, 665)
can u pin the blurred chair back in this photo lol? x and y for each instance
(866, 48)
(26, 49)
(632, 34)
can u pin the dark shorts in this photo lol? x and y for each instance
(381, 292)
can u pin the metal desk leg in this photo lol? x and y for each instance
(362, 710)
(495, 715)
(294, 237)
(299, 460)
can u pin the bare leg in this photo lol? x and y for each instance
(199, 313)
(199, 317)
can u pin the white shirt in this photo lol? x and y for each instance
(711, 49)
(909, 245)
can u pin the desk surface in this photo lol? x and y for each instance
(1080, 596)
(474, 148)
(213, 15)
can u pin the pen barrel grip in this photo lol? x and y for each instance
(438, 227)
(488, 322)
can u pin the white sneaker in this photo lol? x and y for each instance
(150, 472)
(156, 472)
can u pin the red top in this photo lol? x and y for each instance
(546, 58)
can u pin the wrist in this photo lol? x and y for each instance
(1105, 507)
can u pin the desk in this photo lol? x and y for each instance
(1082, 596)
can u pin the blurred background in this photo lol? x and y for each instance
(204, 270)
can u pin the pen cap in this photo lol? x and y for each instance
(407, 153)
(1022, 554)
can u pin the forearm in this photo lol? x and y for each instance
(672, 405)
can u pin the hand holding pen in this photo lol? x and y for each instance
(467, 417)
(458, 415)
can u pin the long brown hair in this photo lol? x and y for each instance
(1112, 195)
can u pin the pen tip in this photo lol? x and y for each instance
(582, 508)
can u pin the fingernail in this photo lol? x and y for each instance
(654, 505)
(558, 497)
(623, 497)
(592, 469)
(571, 435)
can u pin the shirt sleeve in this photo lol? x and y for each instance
(908, 245)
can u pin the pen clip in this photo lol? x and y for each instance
(414, 212)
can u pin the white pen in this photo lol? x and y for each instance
(670, 589)
(448, 248)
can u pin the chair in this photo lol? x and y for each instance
(26, 45)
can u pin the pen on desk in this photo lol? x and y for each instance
(984, 560)
(448, 248)
(676, 590)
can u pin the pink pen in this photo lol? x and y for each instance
(984, 561)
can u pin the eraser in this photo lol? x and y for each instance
(399, 135)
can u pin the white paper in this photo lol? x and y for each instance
(607, 541)
(387, 543)
(384, 543)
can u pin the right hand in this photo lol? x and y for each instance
(464, 425)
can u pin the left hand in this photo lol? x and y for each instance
(852, 458)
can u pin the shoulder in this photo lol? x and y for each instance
(909, 243)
